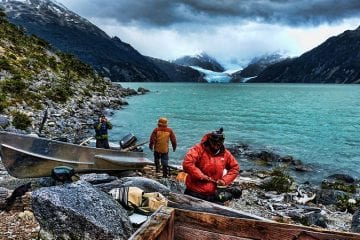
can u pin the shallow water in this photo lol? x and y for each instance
(318, 124)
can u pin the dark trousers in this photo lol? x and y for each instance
(102, 143)
(164, 158)
(210, 198)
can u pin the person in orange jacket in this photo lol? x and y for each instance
(205, 163)
(159, 143)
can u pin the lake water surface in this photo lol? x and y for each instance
(318, 124)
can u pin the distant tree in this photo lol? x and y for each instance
(40, 41)
(21, 120)
(2, 14)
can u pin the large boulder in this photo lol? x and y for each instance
(355, 223)
(79, 211)
(4, 122)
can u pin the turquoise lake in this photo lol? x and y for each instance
(315, 123)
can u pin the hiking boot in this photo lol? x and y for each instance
(165, 172)
(157, 165)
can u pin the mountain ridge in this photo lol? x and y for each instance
(71, 33)
(256, 66)
(334, 61)
(202, 60)
(33, 78)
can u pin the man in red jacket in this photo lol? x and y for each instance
(159, 143)
(205, 164)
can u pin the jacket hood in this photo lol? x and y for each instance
(205, 143)
(205, 137)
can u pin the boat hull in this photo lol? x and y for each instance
(178, 224)
(26, 156)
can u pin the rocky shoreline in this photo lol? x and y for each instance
(71, 121)
(270, 192)
(304, 204)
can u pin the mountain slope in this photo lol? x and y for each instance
(334, 61)
(178, 73)
(201, 60)
(71, 33)
(256, 66)
(34, 78)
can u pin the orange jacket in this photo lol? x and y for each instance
(159, 139)
(199, 162)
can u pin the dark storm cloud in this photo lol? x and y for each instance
(170, 12)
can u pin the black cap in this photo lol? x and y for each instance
(217, 136)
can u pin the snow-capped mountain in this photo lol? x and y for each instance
(201, 60)
(334, 61)
(179, 73)
(256, 66)
(69, 32)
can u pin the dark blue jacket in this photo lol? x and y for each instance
(101, 129)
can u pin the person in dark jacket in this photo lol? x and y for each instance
(159, 143)
(101, 132)
(209, 165)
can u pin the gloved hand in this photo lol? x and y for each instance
(207, 178)
(220, 182)
(174, 149)
(151, 147)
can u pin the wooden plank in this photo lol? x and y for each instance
(254, 229)
(158, 227)
(168, 232)
(186, 233)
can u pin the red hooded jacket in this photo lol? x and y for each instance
(200, 162)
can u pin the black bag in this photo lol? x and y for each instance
(63, 174)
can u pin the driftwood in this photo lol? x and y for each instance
(178, 224)
(182, 201)
(19, 204)
(84, 142)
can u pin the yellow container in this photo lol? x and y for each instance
(154, 200)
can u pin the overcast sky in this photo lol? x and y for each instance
(232, 31)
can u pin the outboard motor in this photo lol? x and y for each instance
(128, 141)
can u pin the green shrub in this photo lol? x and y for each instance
(59, 94)
(4, 64)
(21, 121)
(13, 86)
(72, 64)
(87, 92)
(343, 204)
(2, 16)
(40, 41)
(3, 103)
(280, 181)
(52, 62)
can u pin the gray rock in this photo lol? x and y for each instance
(4, 122)
(355, 223)
(94, 178)
(329, 196)
(79, 211)
(309, 219)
